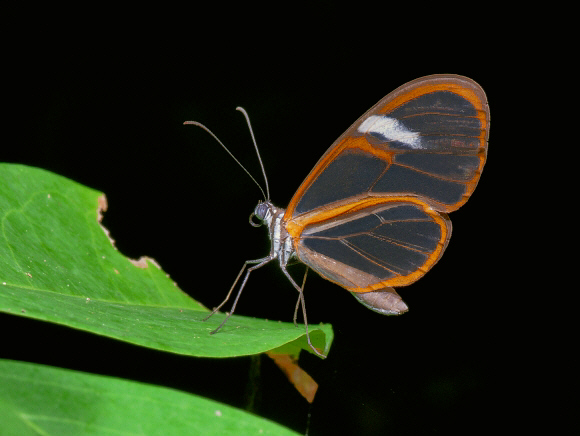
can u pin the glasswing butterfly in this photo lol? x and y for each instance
(372, 213)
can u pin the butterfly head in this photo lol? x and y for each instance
(263, 213)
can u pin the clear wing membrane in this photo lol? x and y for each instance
(377, 246)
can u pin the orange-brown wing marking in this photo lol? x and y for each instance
(372, 243)
(427, 139)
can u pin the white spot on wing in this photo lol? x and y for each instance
(391, 129)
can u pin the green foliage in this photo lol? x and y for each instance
(40, 400)
(58, 264)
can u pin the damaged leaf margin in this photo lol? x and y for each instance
(143, 261)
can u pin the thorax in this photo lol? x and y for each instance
(282, 243)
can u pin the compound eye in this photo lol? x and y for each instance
(261, 210)
(259, 213)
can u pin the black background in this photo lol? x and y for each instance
(103, 104)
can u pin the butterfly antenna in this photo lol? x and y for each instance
(243, 111)
(195, 123)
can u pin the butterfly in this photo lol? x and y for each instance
(372, 214)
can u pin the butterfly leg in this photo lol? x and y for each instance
(258, 263)
(298, 302)
(301, 301)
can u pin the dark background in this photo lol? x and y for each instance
(103, 104)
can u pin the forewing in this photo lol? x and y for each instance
(427, 139)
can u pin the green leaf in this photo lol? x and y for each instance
(58, 264)
(40, 400)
